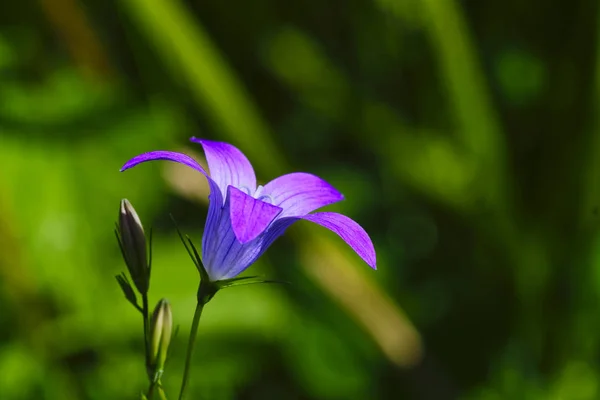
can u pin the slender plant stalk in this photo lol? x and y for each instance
(145, 317)
(161, 393)
(158, 387)
(190, 348)
(150, 392)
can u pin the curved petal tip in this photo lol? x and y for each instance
(350, 231)
(164, 155)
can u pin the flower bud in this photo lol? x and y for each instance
(161, 327)
(133, 244)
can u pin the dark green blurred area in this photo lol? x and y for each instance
(464, 135)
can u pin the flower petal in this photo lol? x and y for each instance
(215, 197)
(223, 255)
(215, 209)
(228, 257)
(217, 240)
(249, 216)
(228, 166)
(164, 155)
(299, 193)
(350, 231)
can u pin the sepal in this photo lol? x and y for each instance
(247, 280)
(127, 290)
(207, 288)
(192, 252)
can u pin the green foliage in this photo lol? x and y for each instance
(463, 135)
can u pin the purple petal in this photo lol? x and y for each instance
(215, 198)
(249, 216)
(215, 209)
(217, 240)
(226, 257)
(240, 256)
(350, 231)
(299, 193)
(228, 166)
(164, 155)
(223, 255)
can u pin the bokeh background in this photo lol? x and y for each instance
(464, 134)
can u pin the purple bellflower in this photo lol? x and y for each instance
(244, 219)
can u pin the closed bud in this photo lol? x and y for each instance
(161, 327)
(133, 244)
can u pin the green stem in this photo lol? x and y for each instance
(190, 348)
(150, 393)
(161, 393)
(156, 385)
(145, 316)
(152, 385)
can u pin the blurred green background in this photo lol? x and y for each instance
(464, 134)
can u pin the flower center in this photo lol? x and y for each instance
(258, 194)
(262, 197)
(245, 189)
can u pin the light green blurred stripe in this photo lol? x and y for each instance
(464, 78)
(479, 128)
(191, 54)
(431, 162)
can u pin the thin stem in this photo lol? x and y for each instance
(161, 393)
(150, 392)
(156, 385)
(145, 316)
(190, 348)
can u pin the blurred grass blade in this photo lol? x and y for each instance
(464, 78)
(193, 56)
(479, 129)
